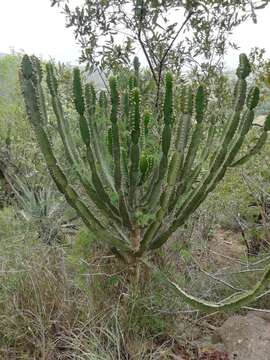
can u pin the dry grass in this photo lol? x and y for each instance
(55, 304)
(77, 302)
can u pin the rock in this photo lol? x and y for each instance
(259, 120)
(264, 315)
(246, 337)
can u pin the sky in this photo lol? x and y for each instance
(35, 27)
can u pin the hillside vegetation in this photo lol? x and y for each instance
(67, 293)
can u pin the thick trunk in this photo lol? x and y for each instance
(135, 238)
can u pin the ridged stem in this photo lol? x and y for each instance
(117, 154)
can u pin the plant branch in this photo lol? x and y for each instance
(162, 61)
(143, 45)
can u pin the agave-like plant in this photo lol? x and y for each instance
(40, 208)
(145, 184)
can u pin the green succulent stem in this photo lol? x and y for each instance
(235, 302)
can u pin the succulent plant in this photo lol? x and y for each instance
(187, 145)
(169, 180)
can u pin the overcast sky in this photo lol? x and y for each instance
(35, 27)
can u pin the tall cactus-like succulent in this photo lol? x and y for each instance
(137, 173)
(171, 182)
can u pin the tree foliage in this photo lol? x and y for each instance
(170, 33)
